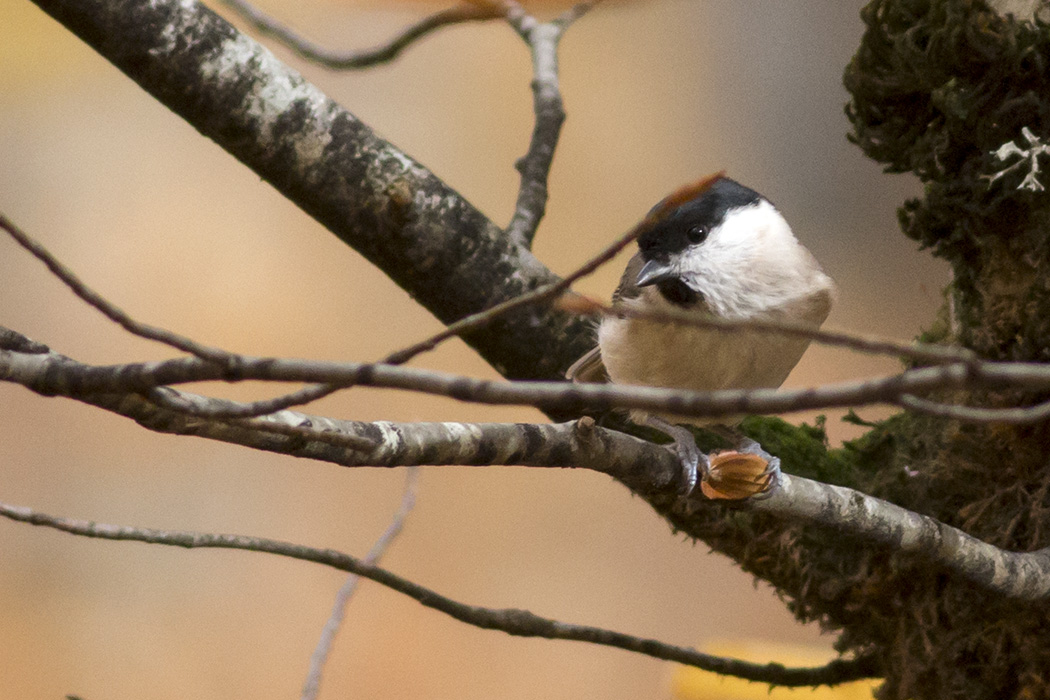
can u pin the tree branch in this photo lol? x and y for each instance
(324, 645)
(647, 469)
(542, 39)
(264, 24)
(1020, 575)
(371, 195)
(520, 623)
(51, 374)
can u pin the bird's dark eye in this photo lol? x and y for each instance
(696, 234)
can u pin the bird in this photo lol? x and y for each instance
(727, 253)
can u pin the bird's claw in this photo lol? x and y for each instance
(771, 474)
(728, 476)
(695, 464)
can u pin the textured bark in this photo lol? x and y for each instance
(937, 87)
(645, 468)
(425, 236)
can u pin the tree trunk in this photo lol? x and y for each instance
(938, 86)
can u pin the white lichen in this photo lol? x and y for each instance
(178, 27)
(274, 90)
(1029, 156)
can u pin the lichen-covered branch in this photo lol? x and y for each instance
(388, 207)
(648, 470)
(1016, 575)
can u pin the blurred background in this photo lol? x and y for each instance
(166, 225)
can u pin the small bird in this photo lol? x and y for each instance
(726, 253)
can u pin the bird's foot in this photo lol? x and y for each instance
(695, 464)
(747, 472)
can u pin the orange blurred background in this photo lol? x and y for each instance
(168, 226)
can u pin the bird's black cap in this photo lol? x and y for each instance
(671, 233)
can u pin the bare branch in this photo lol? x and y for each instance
(974, 414)
(264, 24)
(221, 408)
(108, 309)
(521, 623)
(1021, 575)
(575, 12)
(53, 374)
(535, 165)
(324, 645)
(642, 466)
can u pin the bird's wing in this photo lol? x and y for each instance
(588, 369)
(628, 287)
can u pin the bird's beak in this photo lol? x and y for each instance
(655, 271)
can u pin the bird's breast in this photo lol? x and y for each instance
(637, 351)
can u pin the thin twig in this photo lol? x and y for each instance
(926, 353)
(575, 12)
(516, 622)
(108, 309)
(1016, 415)
(53, 374)
(271, 423)
(335, 60)
(548, 108)
(324, 645)
(226, 409)
(214, 408)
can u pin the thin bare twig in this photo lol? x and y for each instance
(225, 409)
(543, 39)
(516, 622)
(1017, 415)
(324, 645)
(53, 374)
(336, 60)
(919, 352)
(188, 408)
(216, 407)
(50, 374)
(108, 309)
